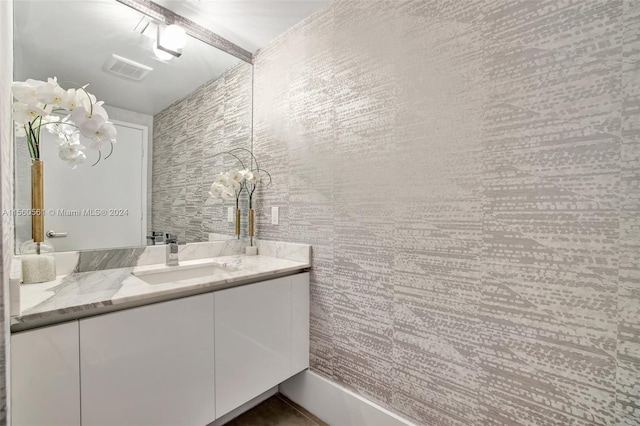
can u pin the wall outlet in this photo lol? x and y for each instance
(230, 214)
(274, 215)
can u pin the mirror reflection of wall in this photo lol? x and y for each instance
(215, 118)
(170, 124)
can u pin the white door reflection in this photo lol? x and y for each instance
(97, 206)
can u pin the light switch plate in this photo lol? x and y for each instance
(274, 215)
(230, 214)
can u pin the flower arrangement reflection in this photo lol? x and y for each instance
(39, 104)
(232, 183)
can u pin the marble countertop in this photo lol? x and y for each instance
(83, 294)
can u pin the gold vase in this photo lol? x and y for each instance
(37, 256)
(251, 250)
(37, 201)
(251, 230)
(238, 223)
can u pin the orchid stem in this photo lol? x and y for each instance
(98, 160)
(110, 152)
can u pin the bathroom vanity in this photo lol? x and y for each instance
(160, 352)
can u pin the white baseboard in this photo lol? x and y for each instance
(336, 405)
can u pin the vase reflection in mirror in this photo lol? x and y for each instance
(251, 250)
(237, 222)
(232, 183)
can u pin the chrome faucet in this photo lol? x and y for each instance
(172, 250)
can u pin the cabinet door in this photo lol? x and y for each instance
(151, 365)
(253, 341)
(45, 376)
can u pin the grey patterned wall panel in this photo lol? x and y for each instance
(213, 119)
(469, 176)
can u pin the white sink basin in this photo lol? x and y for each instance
(172, 274)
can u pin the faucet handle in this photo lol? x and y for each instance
(172, 239)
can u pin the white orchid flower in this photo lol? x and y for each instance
(214, 191)
(221, 179)
(87, 122)
(80, 114)
(79, 158)
(82, 100)
(69, 100)
(247, 175)
(232, 185)
(98, 110)
(85, 99)
(71, 151)
(52, 125)
(254, 178)
(236, 176)
(50, 93)
(25, 113)
(217, 189)
(227, 195)
(72, 143)
(25, 91)
(93, 123)
(106, 132)
(90, 128)
(98, 144)
(93, 99)
(67, 153)
(37, 99)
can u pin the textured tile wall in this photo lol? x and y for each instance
(215, 118)
(469, 176)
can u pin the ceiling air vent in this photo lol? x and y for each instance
(127, 68)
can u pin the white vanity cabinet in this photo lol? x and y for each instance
(152, 365)
(261, 338)
(182, 362)
(45, 376)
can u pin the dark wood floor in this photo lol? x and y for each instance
(277, 411)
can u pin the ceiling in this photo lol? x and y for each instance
(73, 39)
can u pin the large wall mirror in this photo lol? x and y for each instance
(173, 115)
